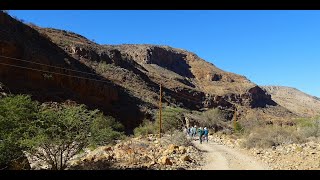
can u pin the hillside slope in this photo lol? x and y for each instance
(296, 101)
(28, 62)
(122, 80)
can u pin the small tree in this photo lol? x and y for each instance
(61, 133)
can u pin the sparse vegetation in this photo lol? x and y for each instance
(103, 67)
(66, 43)
(309, 127)
(259, 134)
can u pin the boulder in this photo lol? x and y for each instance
(185, 158)
(165, 160)
(182, 149)
(108, 148)
(173, 147)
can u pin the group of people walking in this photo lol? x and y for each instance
(202, 133)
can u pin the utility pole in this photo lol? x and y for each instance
(235, 119)
(160, 107)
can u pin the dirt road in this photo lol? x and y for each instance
(221, 157)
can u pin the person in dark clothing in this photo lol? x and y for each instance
(200, 132)
(205, 133)
(194, 132)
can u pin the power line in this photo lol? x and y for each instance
(23, 60)
(54, 73)
(178, 93)
(187, 97)
(183, 96)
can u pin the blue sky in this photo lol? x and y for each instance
(268, 47)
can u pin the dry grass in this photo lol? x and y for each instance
(177, 138)
(268, 136)
(309, 127)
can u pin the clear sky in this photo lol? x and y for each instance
(268, 47)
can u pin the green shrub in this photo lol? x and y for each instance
(147, 127)
(16, 115)
(105, 129)
(172, 118)
(238, 128)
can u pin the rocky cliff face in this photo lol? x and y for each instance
(295, 100)
(121, 80)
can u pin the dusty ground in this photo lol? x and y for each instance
(303, 156)
(221, 157)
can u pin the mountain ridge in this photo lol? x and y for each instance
(134, 73)
(295, 100)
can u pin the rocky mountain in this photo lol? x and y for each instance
(294, 100)
(122, 80)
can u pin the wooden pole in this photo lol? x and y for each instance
(235, 119)
(160, 107)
